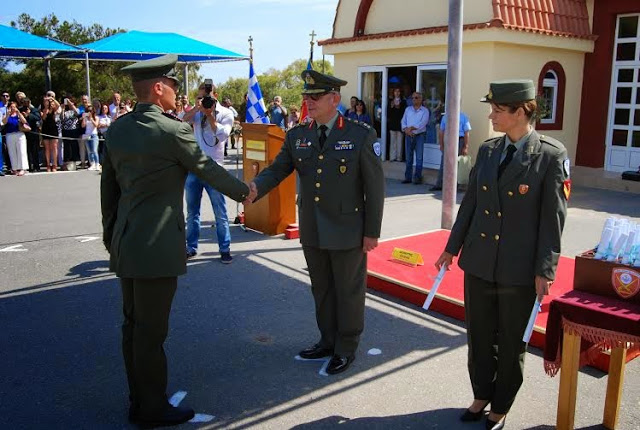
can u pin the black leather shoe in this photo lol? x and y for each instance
(493, 425)
(435, 188)
(473, 416)
(339, 364)
(406, 181)
(314, 352)
(172, 416)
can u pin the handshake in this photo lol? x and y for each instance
(253, 193)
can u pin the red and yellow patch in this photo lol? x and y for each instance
(625, 282)
(523, 189)
(566, 187)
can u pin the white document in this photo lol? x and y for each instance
(434, 287)
(537, 306)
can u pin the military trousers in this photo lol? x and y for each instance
(338, 284)
(146, 304)
(496, 316)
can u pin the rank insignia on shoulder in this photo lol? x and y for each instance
(170, 115)
(566, 188)
(377, 149)
(523, 189)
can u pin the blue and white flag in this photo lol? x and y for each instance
(256, 111)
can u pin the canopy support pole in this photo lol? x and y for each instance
(47, 74)
(86, 59)
(186, 79)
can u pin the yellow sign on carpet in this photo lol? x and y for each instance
(407, 257)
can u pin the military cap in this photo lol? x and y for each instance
(510, 91)
(160, 67)
(317, 83)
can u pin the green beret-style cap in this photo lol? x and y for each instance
(160, 67)
(510, 91)
(317, 83)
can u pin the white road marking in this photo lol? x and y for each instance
(178, 397)
(201, 418)
(14, 248)
(374, 351)
(83, 239)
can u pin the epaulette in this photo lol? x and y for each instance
(172, 116)
(551, 141)
(492, 142)
(362, 124)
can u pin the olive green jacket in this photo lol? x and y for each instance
(147, 156)
(510, 229)
(341, 192)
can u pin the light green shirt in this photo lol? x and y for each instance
(519, 145)
(329, 125)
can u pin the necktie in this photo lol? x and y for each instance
(511, 149)
(323, 135)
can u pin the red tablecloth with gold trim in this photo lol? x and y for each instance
(601, 322)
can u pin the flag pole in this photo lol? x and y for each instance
(238, 219)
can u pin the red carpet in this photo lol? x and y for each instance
(412, 284)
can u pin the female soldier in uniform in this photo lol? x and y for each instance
(508, 227)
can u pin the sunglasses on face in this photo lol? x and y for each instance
(316, 97)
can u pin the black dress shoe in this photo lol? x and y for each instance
(435, 188)
(468, 416)
(314, 352)
(339, 364)
(473, 416)
(493, 425)
(171, 416)
(406, 181)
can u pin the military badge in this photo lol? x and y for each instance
(376, 148)
(309, 79)
(490, 95)
(566, 165)
(625, 282)
(343, 169)
(523, 189)
(566, 188)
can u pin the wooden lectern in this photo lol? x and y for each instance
(273, 213)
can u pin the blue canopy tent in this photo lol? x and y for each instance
(139, 45)
(15, 43)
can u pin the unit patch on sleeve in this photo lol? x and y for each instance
(376, 148)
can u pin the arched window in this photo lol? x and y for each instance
(551, 89)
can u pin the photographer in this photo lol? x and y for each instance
(71, 132)
(278, 113)
(212, 124)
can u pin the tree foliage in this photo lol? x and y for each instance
(285, 83)
(69, 76)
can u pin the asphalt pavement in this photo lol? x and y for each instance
(235, 329)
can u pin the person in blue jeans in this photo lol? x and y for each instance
(212, 127)
(414, 125)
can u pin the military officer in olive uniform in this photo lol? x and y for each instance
(509, 227)
(146, 159)
(340, 212)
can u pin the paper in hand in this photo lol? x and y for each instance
(434, 287)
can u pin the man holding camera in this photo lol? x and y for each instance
(278, 113)
(212, 124)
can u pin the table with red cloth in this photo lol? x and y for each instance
(580, 325)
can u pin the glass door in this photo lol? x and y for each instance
(623, 131)
(432, 83)
(372, 84)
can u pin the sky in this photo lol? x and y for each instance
(280, 28)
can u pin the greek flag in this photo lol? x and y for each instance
(256, 111)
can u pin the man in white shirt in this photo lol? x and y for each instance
(212, 128)
(114, 107)
(414, 125)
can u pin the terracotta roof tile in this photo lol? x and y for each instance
(563, 18)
